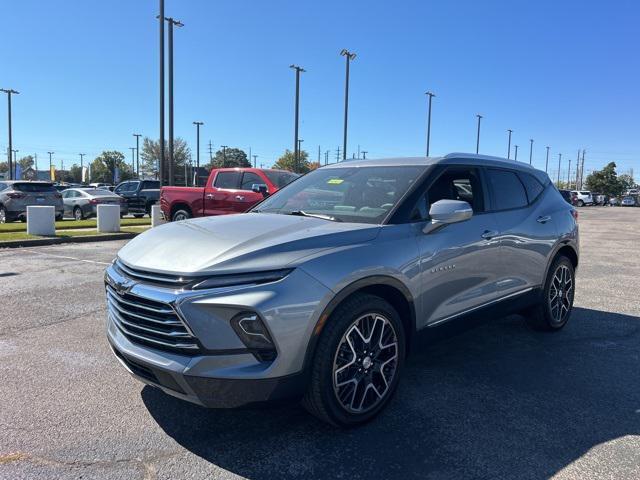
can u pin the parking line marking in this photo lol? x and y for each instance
(65, 257)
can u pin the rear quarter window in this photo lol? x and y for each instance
(533, 187)
(507, 190)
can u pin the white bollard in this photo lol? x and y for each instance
(156, 216)
(108, 218)
(41, 221)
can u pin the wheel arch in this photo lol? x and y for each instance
(388, 288)
(566, 249)
(180, 206)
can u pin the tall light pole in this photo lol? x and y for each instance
(569, 175)
(9, 92)
(224, 155)
(197, 124)
(137, 135)
(300, 150)
(515, 157)
(298, 70)
(530, 150)
(364, 154)
(348, 56)
(509, 145)
(81, 166)
(255, 161)
(430, 95)
(172, 22)
(478, 135)
(162, 166)
(50, 161)
(133, 158)
(559, 163)
(546, 163)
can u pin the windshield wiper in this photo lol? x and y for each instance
(302, 213)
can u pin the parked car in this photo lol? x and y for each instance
(100, 185)
(599, 199)
(318, 292)
(17, 195)
(568, 196)
(228, 190)
(583, 197)
(628, 201)
(81, 203)
(140, 195)
(614, 202)
(634, 192)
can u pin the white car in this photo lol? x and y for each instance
(583, 197)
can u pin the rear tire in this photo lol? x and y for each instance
(3, 214)
(353, 379)
(77, 214)
(580, 203)
(554, 311)
(181, 214)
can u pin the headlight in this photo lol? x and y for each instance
(242, 279)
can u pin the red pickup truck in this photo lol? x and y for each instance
(228, 190)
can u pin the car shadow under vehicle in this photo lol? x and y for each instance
(496, 401)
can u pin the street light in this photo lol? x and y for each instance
(559, 163)
(515, 157)
(546, 164)
(430, 95)
(162, 166)
(172, 22)
(530, 150)
(133, 158)
(296, 114)
(478, 136)
(348, 56)
(195, 177)
(9, 92)
(137, 135)
(364, 154)
(81, 166)
(509, 145)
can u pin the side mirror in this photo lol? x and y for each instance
(445, 212)
(260, 188)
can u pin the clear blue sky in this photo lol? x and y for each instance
(564, 73)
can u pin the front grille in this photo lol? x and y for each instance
(149, 322)
(172, 281)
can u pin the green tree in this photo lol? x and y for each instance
(627, 181)
(75, 172)
(150, 156)
(104, 167)
(26, 162)
(230, 157)
(605, 181)
(288, 162)
(4, 167)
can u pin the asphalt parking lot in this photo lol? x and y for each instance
(496, 401)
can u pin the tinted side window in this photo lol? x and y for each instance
(533, 187)
(248, 179)
(227, 180)
(508, 191)
(150, 185)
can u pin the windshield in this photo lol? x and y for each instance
(357, 194)
(280, 178)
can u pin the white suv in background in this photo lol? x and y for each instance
(583, 197)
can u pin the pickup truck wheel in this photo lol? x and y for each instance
(357, 362)
(138, 215)
(554, 310)
(180, 215)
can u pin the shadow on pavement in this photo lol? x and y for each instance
(498, 401)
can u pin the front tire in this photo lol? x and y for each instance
(3, 214)
(554, 310)
(357, 363)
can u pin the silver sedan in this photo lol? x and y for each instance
(81, 203)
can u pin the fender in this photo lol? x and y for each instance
(346, 292)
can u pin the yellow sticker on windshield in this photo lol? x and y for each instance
(335, 181)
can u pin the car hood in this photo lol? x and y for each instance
(240, 243)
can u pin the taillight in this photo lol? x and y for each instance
(574, 213)
(16, 195)
(94, 201)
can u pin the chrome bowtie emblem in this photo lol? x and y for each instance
(123, 287)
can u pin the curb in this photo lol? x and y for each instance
(39, 242)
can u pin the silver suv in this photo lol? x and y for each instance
(17, 195)
(321, 291)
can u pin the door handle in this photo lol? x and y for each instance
(209, 196)
(489, 234)
(239, 197)
(543, 219)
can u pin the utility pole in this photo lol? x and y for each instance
(559, 163)
(515, 158)
(326, 157)
(582, 169)
(35, 156)
(9, 92)
(195, 180)
(172, 22)
(569, 176)
(81, 166)
(430, 95)
(509, 145)
(338, 154)
(300, 151)
(318, 154)
(364, 154)
(546, 164)
(210, 152)
(137, 135)
(577, 167)
(296, 116)
(348, 56)
(255, 161)
(133, 159)
(530, 151)
(478, 135)
(224, 155)
(162, 166)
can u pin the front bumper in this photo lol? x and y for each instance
(223, 373)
